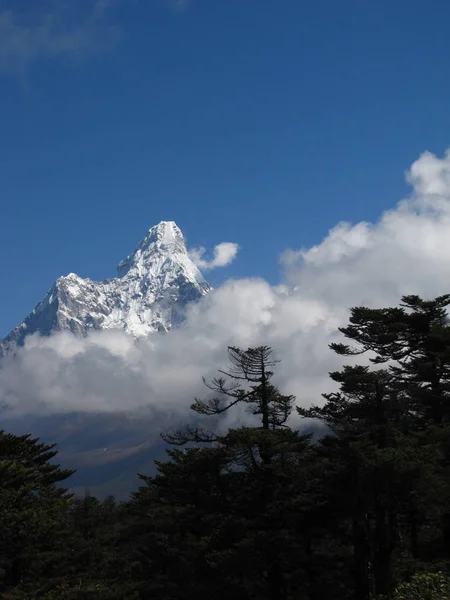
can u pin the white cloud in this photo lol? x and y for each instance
(61, 31)
(431, 176)
(406, 251)
(224, 254)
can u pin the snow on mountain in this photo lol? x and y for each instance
(152, 288)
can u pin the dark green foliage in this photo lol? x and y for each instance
(32, 510)
(233, 529)
(259, 512)
(388, 429)
(425, 586)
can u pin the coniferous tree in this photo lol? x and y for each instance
(32, 510)
(247, 538)
(414, 341)
(377, 421)
(258, 511)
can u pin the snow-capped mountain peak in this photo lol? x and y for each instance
(153, 286)
(165, 235)
(161, 240)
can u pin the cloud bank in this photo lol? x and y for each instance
(406, 251)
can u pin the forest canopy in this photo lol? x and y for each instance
(263, 512)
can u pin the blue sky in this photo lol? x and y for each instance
(251, 121)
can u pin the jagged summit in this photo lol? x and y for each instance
(164, 235)
(162, 239)
(153, 286)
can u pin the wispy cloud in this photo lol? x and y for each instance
(224, 254)
(63, 31)
(179, 5)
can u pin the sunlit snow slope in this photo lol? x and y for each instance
(152, 288)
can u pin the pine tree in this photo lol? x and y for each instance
(178, 515)
(238, 522)
(414, 341)
(32, 510)
(247, 381)
(385, 466)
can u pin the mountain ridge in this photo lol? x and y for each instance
(154, 284)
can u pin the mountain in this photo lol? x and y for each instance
(153, 286)
(107, 450)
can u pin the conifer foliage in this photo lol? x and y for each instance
(236, 487)
(262, 511)
(32, 510)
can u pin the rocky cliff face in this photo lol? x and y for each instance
(153, 286)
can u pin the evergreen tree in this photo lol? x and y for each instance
(259, 512)
(376, 419)
(414, 341)
(239, 525)
(32, 510)
(246, 381)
